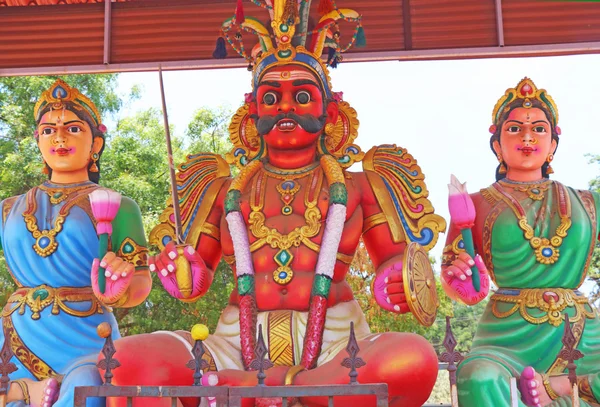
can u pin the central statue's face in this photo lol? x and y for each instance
(290, 108)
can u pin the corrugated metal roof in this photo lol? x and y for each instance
(146, 31)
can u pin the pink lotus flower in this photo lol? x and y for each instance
(338, 96)
(102, 128)
(105, 205)
(462, 210)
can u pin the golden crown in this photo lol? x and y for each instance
(525, 91)
(60, 93)
(286, 39)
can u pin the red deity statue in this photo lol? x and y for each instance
(289, 224)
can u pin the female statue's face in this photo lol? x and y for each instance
(525, 140)
(66, 141)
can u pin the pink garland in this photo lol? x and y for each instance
(334, 227)
(241, 247)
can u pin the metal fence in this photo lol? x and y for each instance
(223, 396)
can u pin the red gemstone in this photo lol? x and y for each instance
(549, 295)
(287, 198)
(526, 90)
(285, 38)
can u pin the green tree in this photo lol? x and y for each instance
(138, 167)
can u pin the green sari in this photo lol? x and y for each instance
(511, 334)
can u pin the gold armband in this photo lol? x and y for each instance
(120, 302)
(546, 382)
(291, 373)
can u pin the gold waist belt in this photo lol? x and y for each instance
(41, 297)
(551, 301)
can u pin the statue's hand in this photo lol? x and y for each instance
(388, 289)
(458, 279)
(118, 274)
(182, 271)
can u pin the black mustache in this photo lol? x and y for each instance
(308, 122)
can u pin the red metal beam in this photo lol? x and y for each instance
(418, 55)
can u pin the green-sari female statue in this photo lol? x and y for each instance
(50, 241)
(535, 239)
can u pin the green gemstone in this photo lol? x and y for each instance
(321, 285)
(245, 284)
(535, 191)
(40, 293)
(244, 160)
(283, 258)
(128, 248)
(284, 54)
(57, 195)
(287, 209)
(284, 28)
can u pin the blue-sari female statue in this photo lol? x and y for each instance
(50, 240)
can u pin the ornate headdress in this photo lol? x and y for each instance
(525, 91)
(60, 93)
(285, 43)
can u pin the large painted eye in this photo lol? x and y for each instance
(74, 129)
(48, 131)
(514, 129)
(303, 97)
(539, 129)
(270, 98)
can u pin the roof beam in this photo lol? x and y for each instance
(399, 55)
(499, 23)
(107, 30)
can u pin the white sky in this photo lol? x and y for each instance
(439, 110)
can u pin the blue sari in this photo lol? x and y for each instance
(51, 319)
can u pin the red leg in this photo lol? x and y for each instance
(406, 362)
(157, 359)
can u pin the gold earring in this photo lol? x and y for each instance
(502, 169)
(94, 157)
(549, 169)
(329, 129)
(45, 169)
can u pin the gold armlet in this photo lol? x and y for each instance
(291, 373)
(551, 393)
(24, 390)
(374, 220)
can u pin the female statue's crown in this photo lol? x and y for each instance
(525, 91)
(285, 41)
(59, 93)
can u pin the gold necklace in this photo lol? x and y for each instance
(546, 250)
(45, 240)
(59, 194)
(285, 174)
(271, 236)
(535, 191)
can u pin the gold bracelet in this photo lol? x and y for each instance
(551, 393)
(120, 302)
(24, 390)
(291, 373)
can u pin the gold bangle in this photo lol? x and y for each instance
(551, 393)
(24, 390)
(291, 373)
(120, 302)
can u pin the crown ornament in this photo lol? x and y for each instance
(59, 94)
(287, 38)
(527, 92)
